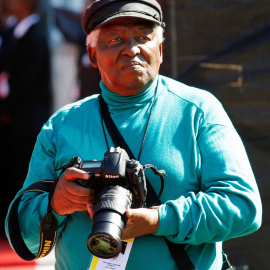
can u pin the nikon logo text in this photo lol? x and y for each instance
(47, 247)
(111, 176)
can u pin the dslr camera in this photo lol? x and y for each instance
(120, 184)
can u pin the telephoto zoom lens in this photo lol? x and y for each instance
(109, 221)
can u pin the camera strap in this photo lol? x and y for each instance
(178, 251)
(118, 140)
(48, 225)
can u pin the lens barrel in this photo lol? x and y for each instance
(109, 221)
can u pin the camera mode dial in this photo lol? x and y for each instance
(132, 163)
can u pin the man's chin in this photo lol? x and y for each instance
(133, 87)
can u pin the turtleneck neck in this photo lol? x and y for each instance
(117, 101)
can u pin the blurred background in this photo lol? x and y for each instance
(222, 46)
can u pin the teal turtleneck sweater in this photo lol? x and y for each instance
(210, 192)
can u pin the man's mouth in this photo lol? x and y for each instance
(132, 65)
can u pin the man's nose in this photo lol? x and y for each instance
(131, 47)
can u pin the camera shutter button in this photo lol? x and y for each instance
(132, 163)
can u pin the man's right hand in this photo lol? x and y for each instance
(68, 196)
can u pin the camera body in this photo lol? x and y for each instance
(119, 183)
(116, 169)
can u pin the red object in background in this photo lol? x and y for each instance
(10, 260)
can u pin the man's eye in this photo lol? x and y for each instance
(143, 38)
(117, 39)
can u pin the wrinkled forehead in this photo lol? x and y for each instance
(122, 25)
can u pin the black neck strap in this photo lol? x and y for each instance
(178, 252)
(114, 133)
(118, 140)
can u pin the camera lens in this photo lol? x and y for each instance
(109, 221)
(104, 246)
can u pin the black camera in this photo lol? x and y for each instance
(119, 183)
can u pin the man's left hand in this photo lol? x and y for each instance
(141, 221)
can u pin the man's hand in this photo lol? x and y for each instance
(68, 196)
(141, 221)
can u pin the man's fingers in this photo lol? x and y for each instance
(74, 173)
(69, 196)
(141, 221)
(136, 213)
(75, 189)
(132, 214)
(80, 198)
(90, 209)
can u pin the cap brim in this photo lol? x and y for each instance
(129, 15)
(101, 12)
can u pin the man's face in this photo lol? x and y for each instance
(128, 54)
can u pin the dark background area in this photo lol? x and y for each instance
(223, 46)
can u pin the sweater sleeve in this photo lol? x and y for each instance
(227, 204)
(33, 206)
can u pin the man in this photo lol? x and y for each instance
(210, 193)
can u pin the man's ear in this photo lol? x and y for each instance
(161, 52)
(92, 56)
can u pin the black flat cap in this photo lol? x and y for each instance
(102, 11)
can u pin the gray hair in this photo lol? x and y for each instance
(92, 38)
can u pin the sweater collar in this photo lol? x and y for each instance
(23, 26)
(122, 102)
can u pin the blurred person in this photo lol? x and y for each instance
(3, 15)
(25, 93)
(7, 24)
(69, 23)
(210, 193)
(89, 77)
